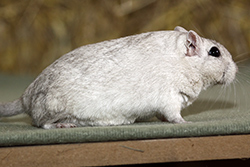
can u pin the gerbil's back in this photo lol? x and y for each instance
(117, 65)
(116, 58)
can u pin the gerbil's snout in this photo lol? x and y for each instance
(225, 64)
(229, 73)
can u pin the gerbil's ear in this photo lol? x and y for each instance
(181, 29)
(193, 43)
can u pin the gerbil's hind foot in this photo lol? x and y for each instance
(59, 125)
(65, 125)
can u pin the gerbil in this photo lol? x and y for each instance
(124, 80)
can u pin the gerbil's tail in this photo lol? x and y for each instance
(11, 108)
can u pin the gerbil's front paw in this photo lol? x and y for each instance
(187, 122)
(179, 121)
(172, 118)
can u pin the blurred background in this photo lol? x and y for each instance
(33, 33)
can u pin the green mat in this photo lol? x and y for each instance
(218, 111)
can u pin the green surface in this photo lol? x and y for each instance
(218, 111)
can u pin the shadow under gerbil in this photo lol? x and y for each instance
(205, 105)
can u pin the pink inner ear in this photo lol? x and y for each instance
(191, 51)
(192, 43)
(192, 46)
(192, 39)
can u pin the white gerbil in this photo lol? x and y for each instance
(124, 80)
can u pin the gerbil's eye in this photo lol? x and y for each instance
(214, 51)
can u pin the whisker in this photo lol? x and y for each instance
(235, 94)
(242, 54)
(242, 60)
(243, 81)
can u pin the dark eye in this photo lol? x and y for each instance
(214, 51)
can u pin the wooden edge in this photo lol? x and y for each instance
(128, 152)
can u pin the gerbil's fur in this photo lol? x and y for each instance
(124, 80)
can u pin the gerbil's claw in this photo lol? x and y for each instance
(65, 125)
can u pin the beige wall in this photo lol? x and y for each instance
(35, 33)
